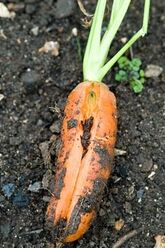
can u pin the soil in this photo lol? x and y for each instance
(34, 88)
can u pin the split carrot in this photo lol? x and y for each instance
(88, 133)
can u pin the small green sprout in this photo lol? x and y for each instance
(130, 71)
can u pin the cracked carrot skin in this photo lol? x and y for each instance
(84, 161)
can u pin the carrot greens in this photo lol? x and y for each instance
(95, 64)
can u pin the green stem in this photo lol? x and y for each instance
(91, 57)
(103, 71)
(113, 28)
(96, 52)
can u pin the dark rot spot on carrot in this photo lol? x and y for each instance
(59, 183)
(114, 115)
(77, 102)
(72, 123)
(50, 220)
(92, 199)
(86, 204)
(74, 221)
(105, 158)
(85, 138)
(77, 112)
(66, 157)
(59, 230)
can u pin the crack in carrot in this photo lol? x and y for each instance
(85, 138)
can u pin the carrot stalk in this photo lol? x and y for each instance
(88, 134)
(95, 66)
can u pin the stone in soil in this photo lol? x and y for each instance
(153, 71)
(55, 127)
(146, 166)
(5, 229)
(8, 189)
(35, 30)
(122, 171)
(35, 187)
(21, 200)
(44, 148)
(64, 8)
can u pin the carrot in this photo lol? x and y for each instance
(85, 158)
(88, 133)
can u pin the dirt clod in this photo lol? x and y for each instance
(85, 139)
(72, 123)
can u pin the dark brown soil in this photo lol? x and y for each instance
(32, 83)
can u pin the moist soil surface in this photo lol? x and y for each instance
(34, 87)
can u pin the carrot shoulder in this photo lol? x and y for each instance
(85, 159)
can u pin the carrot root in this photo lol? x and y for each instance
(84, 161)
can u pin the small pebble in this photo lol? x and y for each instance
(46, 198)
(50, 46)
(128, 208)
(102, 212)
(47, 180)
(20, 200)
(44, 148)
(151, 175)
(8, 189)
(64, 8)
(1, 97)
(146, 166)
(4, 12)
(40, 122)
(155, 167)
(124, 40)
(55, 127)
(2, 198)
(119, 224)
(160, 241)
(92, 244)
(153, 71)
(5, 229)
(74, 32)
(140, 194)
(35, 30)
(122, 171)
(35, 187)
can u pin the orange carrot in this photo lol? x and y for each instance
(85, 159)
(88, 132)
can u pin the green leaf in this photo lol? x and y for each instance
(123, 62)
(135, 68)
(136, 62)
(134, 75)
(142, 80)
(137, 86)
(141, 72)
(118, 77)
(121, 76)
